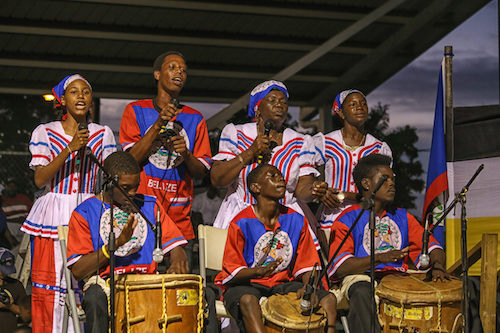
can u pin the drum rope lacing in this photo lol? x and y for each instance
(440, 297)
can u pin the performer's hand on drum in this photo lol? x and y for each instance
(439, 273)
(178, 261)
(127, 231)
(391, 256)
(269, 269)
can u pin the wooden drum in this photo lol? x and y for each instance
(283, 314)
(159, 303)
(408, 304)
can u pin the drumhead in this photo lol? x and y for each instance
(284, 310)
(411, 289)
(147, 279)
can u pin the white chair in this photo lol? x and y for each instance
(211, 246)
(70, 309)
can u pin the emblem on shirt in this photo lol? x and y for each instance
(119, 220)
(163, 155)
(387, 235)
(270, 247)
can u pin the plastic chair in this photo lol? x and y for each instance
(211, 243)
(70, 309)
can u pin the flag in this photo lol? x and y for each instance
(436, 192)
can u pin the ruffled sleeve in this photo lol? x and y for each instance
(109, 143)
(307, 157)
(39, 148)
(228, 144)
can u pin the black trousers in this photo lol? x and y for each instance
(360, 302)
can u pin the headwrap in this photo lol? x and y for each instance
(337, 104)
(260, 92)
(59, 89)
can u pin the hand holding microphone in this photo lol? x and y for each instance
(80, 140)
(263, 143)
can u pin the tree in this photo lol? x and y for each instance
(406, 166)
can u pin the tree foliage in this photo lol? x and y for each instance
(406, 165)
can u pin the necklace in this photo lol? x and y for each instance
(351, 148)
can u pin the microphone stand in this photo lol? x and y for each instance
(113, 183)
(111, 249)
(461, 198)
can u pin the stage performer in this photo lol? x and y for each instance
(170, 142)
(269, 250)
(398, 240)
(88, 251)
(341, 150)
(241, 146)
(68, 177)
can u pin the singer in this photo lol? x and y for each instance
(269, 250)
(242, 146)
(341, 150)
(135, 241)
(398, 241)
(55, 148)
(169, 162)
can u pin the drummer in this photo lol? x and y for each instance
(88, 252)
(398, 240)
(269, 250)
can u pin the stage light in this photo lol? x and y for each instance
(48, 97)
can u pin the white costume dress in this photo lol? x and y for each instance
(294, 158)
(71, 185)
(339, 163)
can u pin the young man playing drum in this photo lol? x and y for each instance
(269, 250)
(88, 252)
(398, 240)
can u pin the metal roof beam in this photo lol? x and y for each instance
(222, 6)
(59, 31)
(71, 65)
(220, 118)
(387, 47)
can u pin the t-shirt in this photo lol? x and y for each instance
(395, 230)
(164, 174)
(250, 243)
(7, 317)
(89, 231)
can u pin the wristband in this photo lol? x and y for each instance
(106, 254)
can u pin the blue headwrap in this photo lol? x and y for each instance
(58, 90)
(260, 92)
(337, 104)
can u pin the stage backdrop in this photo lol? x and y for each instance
(474, 139)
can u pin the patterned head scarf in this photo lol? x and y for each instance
(59, 89)
(337, 104)
(260, 92)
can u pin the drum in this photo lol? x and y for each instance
(159, 303)
(283, 314)
(408, 304)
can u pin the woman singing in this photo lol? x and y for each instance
(67, 177)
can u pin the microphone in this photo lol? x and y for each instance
(81, 126)
(157, 252)
(305, 302)
(425, 260)
(168, 132)
(268, 126)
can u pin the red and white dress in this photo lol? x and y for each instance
(294, 158)
(72, 184)
(339, 162)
